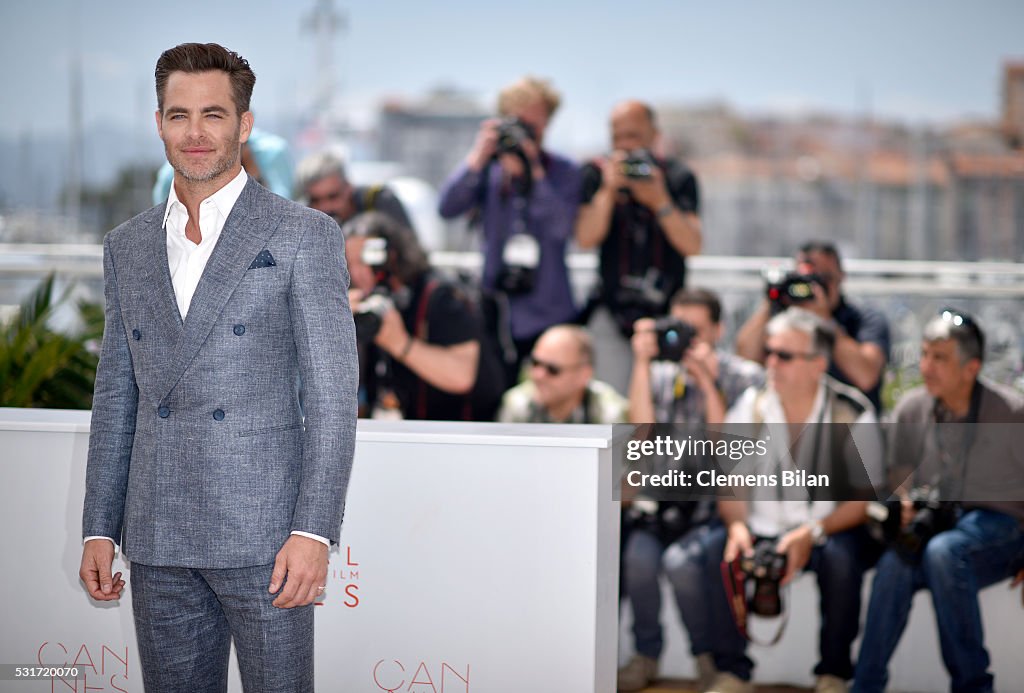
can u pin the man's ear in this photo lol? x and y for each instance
(246, 128)
(159, 124)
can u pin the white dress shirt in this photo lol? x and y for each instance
(187, 260)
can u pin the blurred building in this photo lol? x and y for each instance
(429, 136)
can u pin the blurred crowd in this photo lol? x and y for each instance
(512, 345)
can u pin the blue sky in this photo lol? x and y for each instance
(915, 60)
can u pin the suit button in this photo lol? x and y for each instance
(239, 330)
(163, 412)
(218, 414)
(136, 335)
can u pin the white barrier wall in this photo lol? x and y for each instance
(474, 558)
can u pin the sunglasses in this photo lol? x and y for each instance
(958, 319)
(787, 356)
(552, 369)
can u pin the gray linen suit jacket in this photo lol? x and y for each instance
(198, 455)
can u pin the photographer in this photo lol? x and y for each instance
(862, 334)
(799, 527)
(642, 212)
(321, 183)
(679, 377)
(959, 435)
(526, 198)
(420, 337)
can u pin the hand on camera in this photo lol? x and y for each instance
(645, 341)
(739, 542)
(796, 544)
(392, 336)
(484, 146)
(612, 177)
(650, 192)
(701, 362)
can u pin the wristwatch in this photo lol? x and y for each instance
(818, 535)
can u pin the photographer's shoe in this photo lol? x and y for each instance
(638, 674)
(706, 671)
(830, 684)
(730, 683)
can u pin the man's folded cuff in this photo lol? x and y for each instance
(326, 542)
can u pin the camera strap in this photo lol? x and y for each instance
(735, 582)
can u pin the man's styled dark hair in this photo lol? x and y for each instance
(823, 247)
(206, 57)
(406, 258)
(699, 297)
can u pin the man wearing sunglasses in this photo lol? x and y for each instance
(561, 386)
(959, 434)
(862, 341)
(816, 529)
(694, 391)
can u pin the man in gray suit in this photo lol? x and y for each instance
(200, 463)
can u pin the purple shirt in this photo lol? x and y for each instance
(550, 218)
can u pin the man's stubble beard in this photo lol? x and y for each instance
(219, 167)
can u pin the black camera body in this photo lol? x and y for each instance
(793, 289)
(369, 315)
(674, 338)
(766, 568)
(512, 132)
(931, 517)
(639, 164)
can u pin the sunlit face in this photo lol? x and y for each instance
(942, 371)
(632, 129)
(201, 128)
(698, 317)
(792, 368)
(362, 275)
(558, 351)
(827, 268)
(332, 195)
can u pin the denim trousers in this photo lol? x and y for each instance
(186, 619)
(979, 551)
(839, 566)
(683, 563)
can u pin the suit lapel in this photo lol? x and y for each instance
(245, 233)
(156, 276)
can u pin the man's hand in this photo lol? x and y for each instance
(820, 304)
(484, 146)
(701, 362)
(392, 336)
(1019, 580)
(644, 341)
(612, 178)
(97, 563)
(650, 192)
(796, 544)
(301, 566)
(738, 543)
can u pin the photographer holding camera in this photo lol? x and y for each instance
(862, 334)
(526, 198)
(641, 211)
(679, 377)
(779, 532)
(420, 338)
(955, 447)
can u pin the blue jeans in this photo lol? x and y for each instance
(185, 621)
(839, 566)
(978, 552)
(683, 563)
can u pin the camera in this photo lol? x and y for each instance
(667, 520)
(792, 289)
(369, 315)
(674, 338)
(519, 258)
(766, 568)
(512, 132)
(638, 164)
(931, 517)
